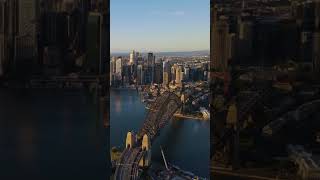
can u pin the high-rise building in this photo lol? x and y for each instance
(297, 11)
(2, 37)
(139, 58)
(111, 72)
(54, 40)
(113, 62)
(158, 72)
(8, 31)
(306, 45)
(317, 15)
(166, 73)
(28, 12)
(232, 46)
(2, 53)
(126, 74)
(221, 45)
(150, 68)
(173, 72)
(179, 76)
(140, 75)
(245, 41)
(213, 15)
(118, 68)
(186, 73)
(166, 79)
(316, 52)
(26, 39)
(150, 59)
(132, 58)
(96, 57)
(105, 36)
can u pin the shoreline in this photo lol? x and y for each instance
(120, 88)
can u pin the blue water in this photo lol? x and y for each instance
(185, 142)
(48, 134)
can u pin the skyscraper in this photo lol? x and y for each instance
(96, 58)
(26, 40)
(140, 75)
(2, 53)
(113, 62)
(213, 14)
(166, 73)
(158, 72)
(316, 52)
(173, 72)
(186, 73)
(179, 76)
(105, 37)
(149, 75)
(132, 58)
(8, 31)
(119, 66)
(221, 45)
(2, 37)
(245, 41)
(150, 59)
(317, 15)
(316, 39)
(165, 79)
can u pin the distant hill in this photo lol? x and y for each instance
(179, 53)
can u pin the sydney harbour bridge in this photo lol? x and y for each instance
(137, 153)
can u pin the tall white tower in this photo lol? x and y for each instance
(132, 59)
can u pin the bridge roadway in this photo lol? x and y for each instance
(163, 109)
(128, 167)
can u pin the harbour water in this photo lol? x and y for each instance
(185, 142)
(51, 134)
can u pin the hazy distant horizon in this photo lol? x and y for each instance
(172, 53)
(155, 52)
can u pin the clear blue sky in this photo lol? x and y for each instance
(160, 25)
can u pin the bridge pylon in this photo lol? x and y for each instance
(233, 124)
(232, 116)
(146, 146)
(130, 140)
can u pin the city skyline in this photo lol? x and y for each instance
(159, 26)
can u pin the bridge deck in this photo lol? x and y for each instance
(163, 109)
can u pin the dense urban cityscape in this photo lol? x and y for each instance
(184, 75)
(154, 78)
(140, 69)
(265, 89)
(54, 108)
(58, 44)
(41, 39)
(159, 79)
(142, 96)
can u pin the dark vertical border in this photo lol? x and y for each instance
(212, 4)
(106, 58)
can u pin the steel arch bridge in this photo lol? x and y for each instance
(160, 113)
(244, 109)
(158, 116)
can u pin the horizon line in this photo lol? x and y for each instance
(146, 51)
